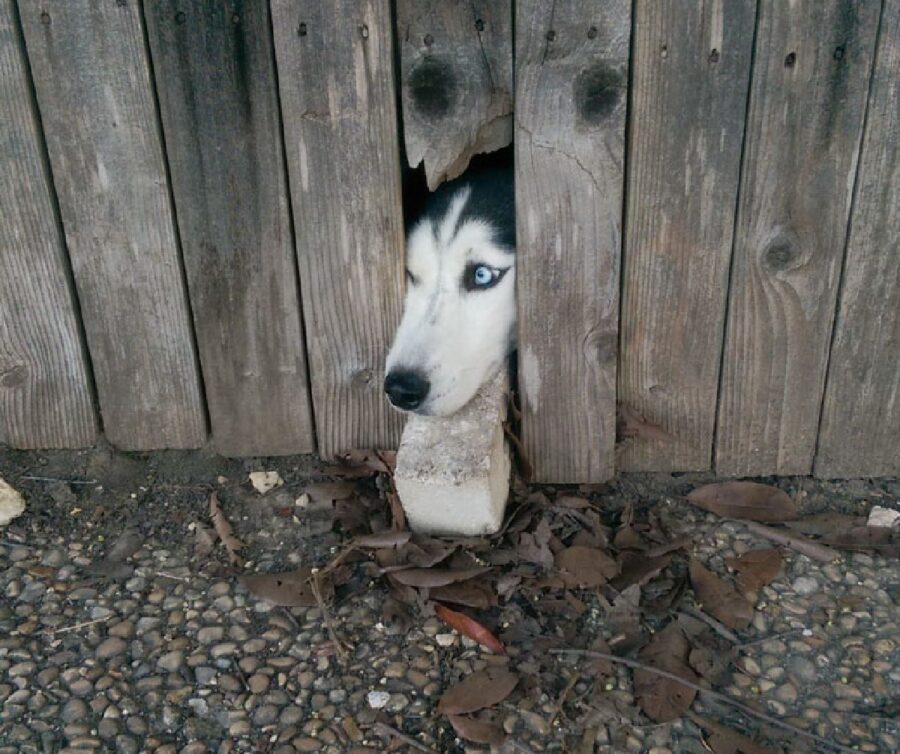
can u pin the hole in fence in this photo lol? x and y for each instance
(790, 60)
(301, 30)
(839, 53)
(714, 56)
(597, 92)
(592, 33)
(479, 25)
(432, 88)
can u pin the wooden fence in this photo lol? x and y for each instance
(201, 226)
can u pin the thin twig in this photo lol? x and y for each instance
(241, 673)
(409, 740)
(78, 625)
(55, 479)
(164, 575)
(326, 616)
(712, 623)
(795, 541)
(773, 637)
(563, 696)
(635, 665)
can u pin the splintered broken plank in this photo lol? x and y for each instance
(860, 432)
(94, 89)
(336, 78)
(571, 92)
(691, 70)
(215, 77)
(45, 394)
(807, 101)
(456, 81)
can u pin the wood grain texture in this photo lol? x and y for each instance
(335, 73)
(92, 78)
(457, 81)
(811, 73)
(218, 96)
(691, 71)
(45, 393)
(571, 92)
(860, 432)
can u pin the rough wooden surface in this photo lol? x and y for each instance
(691, 70)
(93, 86)
(860, 432)
(457, 82)
(810, 80)
(571, 92)
(215, 77)
(45, 394)
(335, 72)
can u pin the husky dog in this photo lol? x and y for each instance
(458, 325)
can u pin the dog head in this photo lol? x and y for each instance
(458, 325)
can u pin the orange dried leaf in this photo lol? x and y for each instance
(469, 627)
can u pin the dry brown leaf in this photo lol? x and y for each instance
(466, 593)
(881, 539)
(226, 533)
(712, 665)
(470, 627)
(756, 569)
(330, 492)
(829, 524)
(724, 740)
(289, 589)
(477, 691)
(432, 577)
(203, 540)
(585, 566)
(747, 500)
(383, 539)
(623, 618)
(720, 600)
(479, 731)
(663, 699)
(636, 568)
(381, 461)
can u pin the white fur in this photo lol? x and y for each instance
(457, 339)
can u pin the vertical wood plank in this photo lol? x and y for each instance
(457, 83)
(860, 433)
(691, 71)
(45, 393)
(335, 73)
(810, 79)
(92, 78)
(571, 93)
(215, 77)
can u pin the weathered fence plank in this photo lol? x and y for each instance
(457, 82)
(335, 73)
(93, 86)
(571, 92)
(45, 393)
(215, 76)
(691, 71)
(860, 433)
(808, 93)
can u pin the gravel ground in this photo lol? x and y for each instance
(165, 651)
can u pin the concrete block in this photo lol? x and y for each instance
(452, 472)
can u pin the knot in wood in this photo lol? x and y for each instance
(432, 88)
(779, 255)
(597, 92)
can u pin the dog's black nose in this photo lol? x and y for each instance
(406, 389)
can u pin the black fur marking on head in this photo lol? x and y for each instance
(491, 200)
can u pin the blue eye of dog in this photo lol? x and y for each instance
(479, 277)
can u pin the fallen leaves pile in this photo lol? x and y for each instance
(588, 587)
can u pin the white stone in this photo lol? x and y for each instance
(12, 504)
(263, 481)
(378, 699)
(452, 472)
(886, 517)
